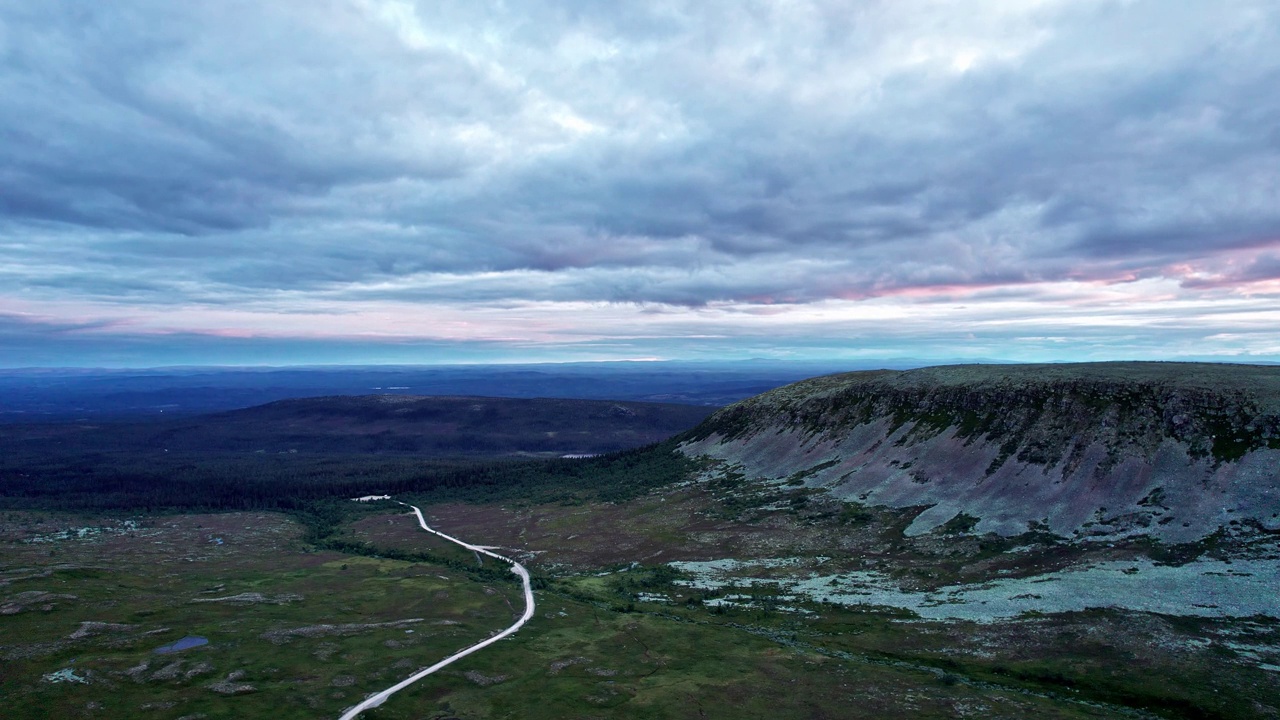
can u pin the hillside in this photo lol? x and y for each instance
(386, 424)
(1103, 450)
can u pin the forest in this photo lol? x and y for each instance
(133, 481)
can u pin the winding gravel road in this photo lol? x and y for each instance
(378, 698)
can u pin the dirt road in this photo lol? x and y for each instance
(380, 697)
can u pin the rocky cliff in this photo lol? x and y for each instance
(1097, 450)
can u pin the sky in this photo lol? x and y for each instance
(391, 181)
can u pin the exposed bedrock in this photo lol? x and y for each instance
(1174, 450)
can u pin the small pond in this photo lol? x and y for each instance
(185, 643)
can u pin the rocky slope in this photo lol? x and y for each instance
(1089, 451)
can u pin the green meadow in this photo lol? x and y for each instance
(297, 629)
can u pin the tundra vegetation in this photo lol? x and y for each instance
(679, 579)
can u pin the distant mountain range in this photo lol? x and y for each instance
(382, 424)
(87, 393)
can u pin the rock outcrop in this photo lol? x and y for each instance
(1096, 450)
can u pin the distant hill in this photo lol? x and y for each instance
(385, 424)
(35, 394)
(1100, 450)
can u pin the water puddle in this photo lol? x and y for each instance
(185, 643)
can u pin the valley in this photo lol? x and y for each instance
(771, 560)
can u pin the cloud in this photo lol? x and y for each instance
(693, 154)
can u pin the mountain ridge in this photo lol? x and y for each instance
(1173, 450)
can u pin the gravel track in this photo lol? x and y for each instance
(378, 698)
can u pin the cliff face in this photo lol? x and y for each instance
(1174, 450)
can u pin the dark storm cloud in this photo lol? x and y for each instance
(681, 153)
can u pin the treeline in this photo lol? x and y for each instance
(160, 481)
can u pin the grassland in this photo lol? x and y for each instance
(292, 633)
(314, 629)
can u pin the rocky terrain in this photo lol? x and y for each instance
(1102, 451)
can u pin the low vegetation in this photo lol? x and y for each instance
(668, 585)
(314, 629)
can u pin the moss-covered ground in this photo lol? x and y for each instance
(300, 632)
